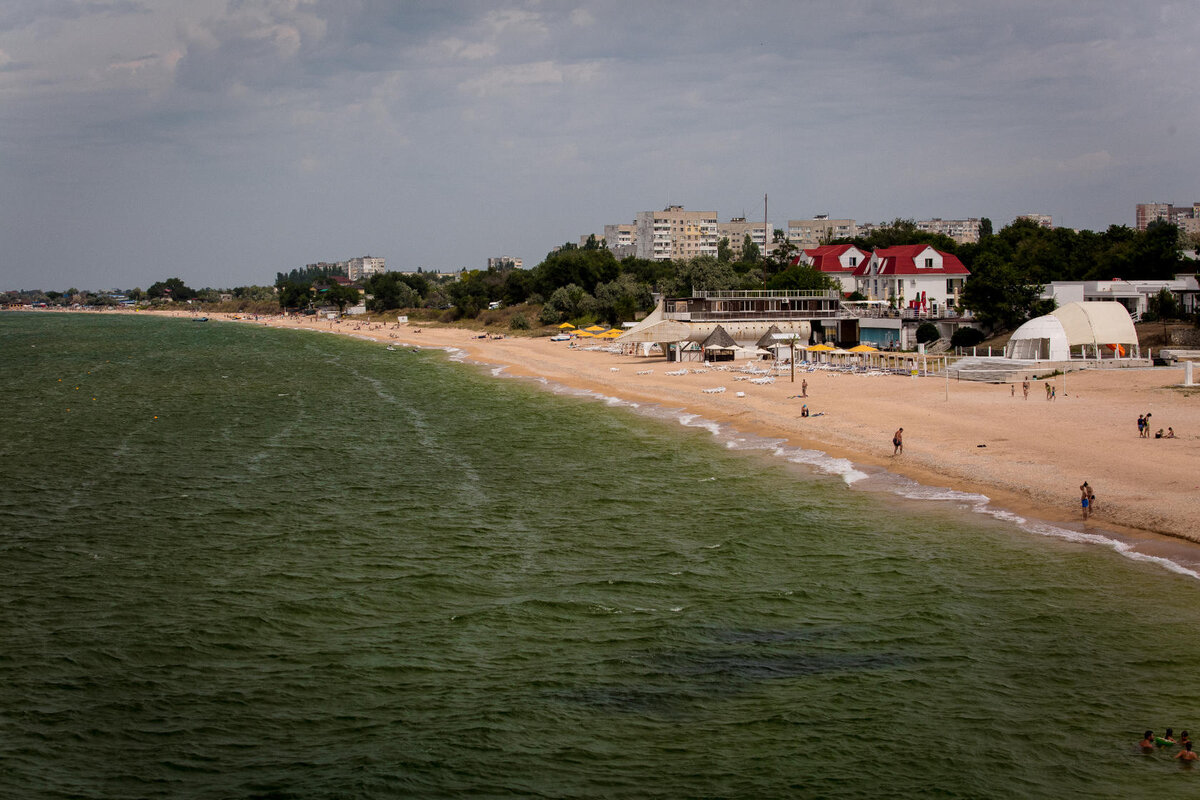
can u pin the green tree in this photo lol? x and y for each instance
(724, 251)
(703, 273)
(985, 229)
(295, 295)
(801, 277)
(584, 268)
(621, 299)
(781, 257)
(750, 253)
(998, 294)
(927, 332)
(390, 291)
(172, 288)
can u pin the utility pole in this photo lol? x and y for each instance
(766, 239)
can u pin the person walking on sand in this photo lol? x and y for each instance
(1047, 390)
(1025, 389)
(804, 387)
(1147, 428)
(1141, 424)
(898, 442)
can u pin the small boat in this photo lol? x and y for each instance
(200, 319)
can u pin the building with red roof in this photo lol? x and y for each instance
(912, 276)
(838, 261)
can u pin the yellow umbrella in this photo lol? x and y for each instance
(611, 333)
(565, 325)
(594, 328)
(863, 348)
(822, 347)
(584, 333)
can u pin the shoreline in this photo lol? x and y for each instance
(1027, 456)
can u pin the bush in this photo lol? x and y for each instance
(927, 333)
(518, 323)
(966, 337)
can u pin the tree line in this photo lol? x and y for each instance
(1009, 269)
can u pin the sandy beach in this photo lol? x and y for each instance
(1027, 455)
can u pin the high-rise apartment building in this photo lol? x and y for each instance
(364, 267)
(735, 231)
(674, 234)
(500, 262)
(808, 233)
(963, 231)
(1151, 212)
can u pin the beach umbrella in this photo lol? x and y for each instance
(581, 334)
(595, 328)
(565, 325)
(863, 348)
(821, 347)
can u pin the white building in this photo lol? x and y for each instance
(912, 276)
(838, 261)
(1135, 296)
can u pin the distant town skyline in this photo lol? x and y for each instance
(222, 142)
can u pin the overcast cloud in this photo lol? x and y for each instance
(221, 141)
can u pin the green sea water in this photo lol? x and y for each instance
(245, 562)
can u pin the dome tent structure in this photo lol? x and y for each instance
(1101, 328)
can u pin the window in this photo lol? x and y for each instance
(854, 261)
(929, 263)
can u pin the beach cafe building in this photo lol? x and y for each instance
(733, 322)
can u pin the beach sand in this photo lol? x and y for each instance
(1034, 455)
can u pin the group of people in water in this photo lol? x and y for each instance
(1150, 743)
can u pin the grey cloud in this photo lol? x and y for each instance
(24, 13)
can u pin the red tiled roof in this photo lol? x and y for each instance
(827, 257)
(902, 260)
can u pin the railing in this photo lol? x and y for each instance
(737, 316)
(754, 294)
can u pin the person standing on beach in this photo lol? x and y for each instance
(1047, 390)
(1141, 424)
(1025, 389)
(1086, 498)
(804, 387)
(898, 442)
(1147, 428)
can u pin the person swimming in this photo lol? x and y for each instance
(1147, 742)
(1186, 754)
(1169, 737)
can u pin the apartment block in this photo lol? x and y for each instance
(1044, 220)
(735, 231)
(963, 231)
(364, 267)
(808, 233)
(675, 234)
(1152, 212)
(500, 262)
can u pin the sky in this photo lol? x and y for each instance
(223, 141)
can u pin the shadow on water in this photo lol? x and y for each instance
(727, 663)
